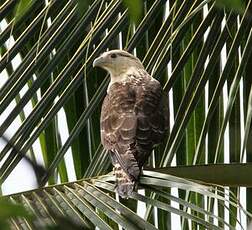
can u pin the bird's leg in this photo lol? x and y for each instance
(117, 170)
(124, 184)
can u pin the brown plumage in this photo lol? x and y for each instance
(134, 116)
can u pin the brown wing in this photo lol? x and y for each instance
(133, 120)
(118, 127)
(152, 119)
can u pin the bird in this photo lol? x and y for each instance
(134, 116)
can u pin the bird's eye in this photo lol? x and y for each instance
(113, 55)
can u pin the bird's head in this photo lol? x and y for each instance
(117, 62)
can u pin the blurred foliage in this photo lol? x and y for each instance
(236, 5)
(135, 9)
(9, 210)
(82, 6)
(22, 7)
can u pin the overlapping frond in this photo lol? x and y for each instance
(87, 202)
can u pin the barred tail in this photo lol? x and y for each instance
(125, 184)
(126, 170)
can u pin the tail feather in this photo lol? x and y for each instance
(125, 184)
(126, 159)
(126, 170)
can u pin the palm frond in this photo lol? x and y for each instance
(200, 53)
(83, 200)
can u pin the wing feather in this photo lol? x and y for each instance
(133, 119)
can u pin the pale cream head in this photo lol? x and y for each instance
(118, 63)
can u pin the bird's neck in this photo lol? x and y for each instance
(122, 75)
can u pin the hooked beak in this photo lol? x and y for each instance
(98, 62)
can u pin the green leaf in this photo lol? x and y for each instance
(22, 7)
(236, 5)
(8, 209)
(82, 6)
(221, 174)
(135, 9)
